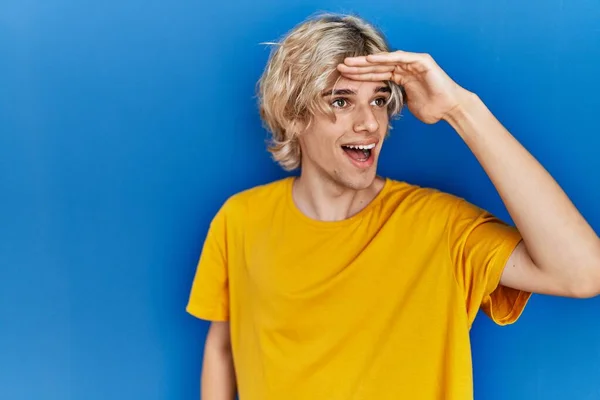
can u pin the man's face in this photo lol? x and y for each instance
(346, 150)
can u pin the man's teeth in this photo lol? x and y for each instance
(361, 147)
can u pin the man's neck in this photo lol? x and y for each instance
(326, 200)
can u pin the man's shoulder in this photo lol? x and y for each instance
(260, 196)
(421, 200)
(419, 195)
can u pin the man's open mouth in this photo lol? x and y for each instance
(360, 153)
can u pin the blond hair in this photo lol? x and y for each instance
(301, 66)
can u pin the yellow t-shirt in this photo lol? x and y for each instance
(374, 307)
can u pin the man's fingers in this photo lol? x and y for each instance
(396, 66)
(345, 69)
(399, 56)
(360, 61)
(383, 62)
(373, 76)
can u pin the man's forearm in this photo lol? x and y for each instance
(558, 238)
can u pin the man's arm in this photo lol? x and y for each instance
(218, 375)
(560, 253)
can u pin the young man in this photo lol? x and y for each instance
(340, 284)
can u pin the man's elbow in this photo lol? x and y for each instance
(589, 286)
(586, 292)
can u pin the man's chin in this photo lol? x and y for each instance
(360, 181)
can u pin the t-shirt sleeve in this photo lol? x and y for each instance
(209, 296)
(480, 245)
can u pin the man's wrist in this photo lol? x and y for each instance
(464, 106)
(469, 109)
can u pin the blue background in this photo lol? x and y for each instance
(125, 124)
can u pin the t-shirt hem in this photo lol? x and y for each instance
(518, 304)
(206, 314)
(515, 312)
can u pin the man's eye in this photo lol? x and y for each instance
(380, 102)
(339, 103)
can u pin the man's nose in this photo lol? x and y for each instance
(366, 121)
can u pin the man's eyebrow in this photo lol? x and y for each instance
(339, 92)
(349, 92)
